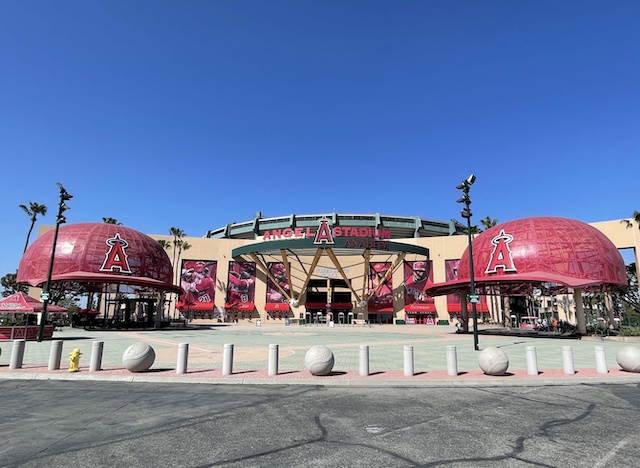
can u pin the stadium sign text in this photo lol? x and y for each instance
(360, 237)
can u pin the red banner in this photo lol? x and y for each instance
(198, 279)
(453, 300)
(241, 286)
(451, 274)
(277, 293)
(417, 277)
(382, 298)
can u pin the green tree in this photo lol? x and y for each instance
(165, 244)
(33, 210)
(10, 286)
(177, 234)
(182, 246)
(488, 222)
(635, 217)
(629, 297)
(111, 221)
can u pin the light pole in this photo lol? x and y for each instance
(466, 213)
(46, 294)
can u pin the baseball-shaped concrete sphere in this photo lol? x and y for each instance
(319, 360)
(294, 303)
(629, 358)
(363, 304)
(493, 361)
(138, 357)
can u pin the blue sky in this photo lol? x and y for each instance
(195, 114)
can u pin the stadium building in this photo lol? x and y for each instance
(371, 268)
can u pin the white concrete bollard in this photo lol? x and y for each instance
(408, 361)
(532, 360)
(17, 354)
(452, 361)
(55, 355)
(227, 360)
(96, 356)
(601, 360)
(183, 358)
(363, 367)
(567, 360)
(273, 359)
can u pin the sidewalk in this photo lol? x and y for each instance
(386, 344)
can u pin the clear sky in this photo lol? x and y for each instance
(195, 114)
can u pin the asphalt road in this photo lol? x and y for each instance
(114, 424)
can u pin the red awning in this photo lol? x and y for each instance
(22, 303)
(276, 306)
(420, 307)
(324, 305)
(239, 306)
(204, 306)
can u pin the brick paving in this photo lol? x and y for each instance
(386, 352)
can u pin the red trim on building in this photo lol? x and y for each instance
(419, 307)
(276, 306)
(240, 306)
(334, 305)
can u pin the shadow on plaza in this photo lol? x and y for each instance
(525, 333)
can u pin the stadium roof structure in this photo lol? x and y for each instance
(294, 241)
(401, 227)
(546, 253)
(89, 256)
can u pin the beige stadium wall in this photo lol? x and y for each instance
(440, 249)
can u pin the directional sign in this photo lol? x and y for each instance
(44, 296)
(473, 298)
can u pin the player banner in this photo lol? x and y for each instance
(198, 279)
(451, 274)
(417, 277)
(277, 293)
(241, 286)
(453, 300)
(382, 298)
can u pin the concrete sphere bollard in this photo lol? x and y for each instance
(138, 357)
(629, 358)
(319, 360)
(493, 361)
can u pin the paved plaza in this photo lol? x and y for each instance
(251, 345)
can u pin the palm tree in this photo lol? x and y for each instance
(635, 217)
(177, 234)
(488, 222)
(111, 221)
(165, 244)
(33, 211)
(182, 246)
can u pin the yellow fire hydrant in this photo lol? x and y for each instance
(74, 360)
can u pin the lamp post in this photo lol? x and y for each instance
(46, 294)
(466, 213)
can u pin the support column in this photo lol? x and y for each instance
(55, 355)
(408, 361)
(452, 361)
(227, 359)
(96, 356)
(183, 358)
(363, 364)
(464, 311)
(273, 359)
(581, 321)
